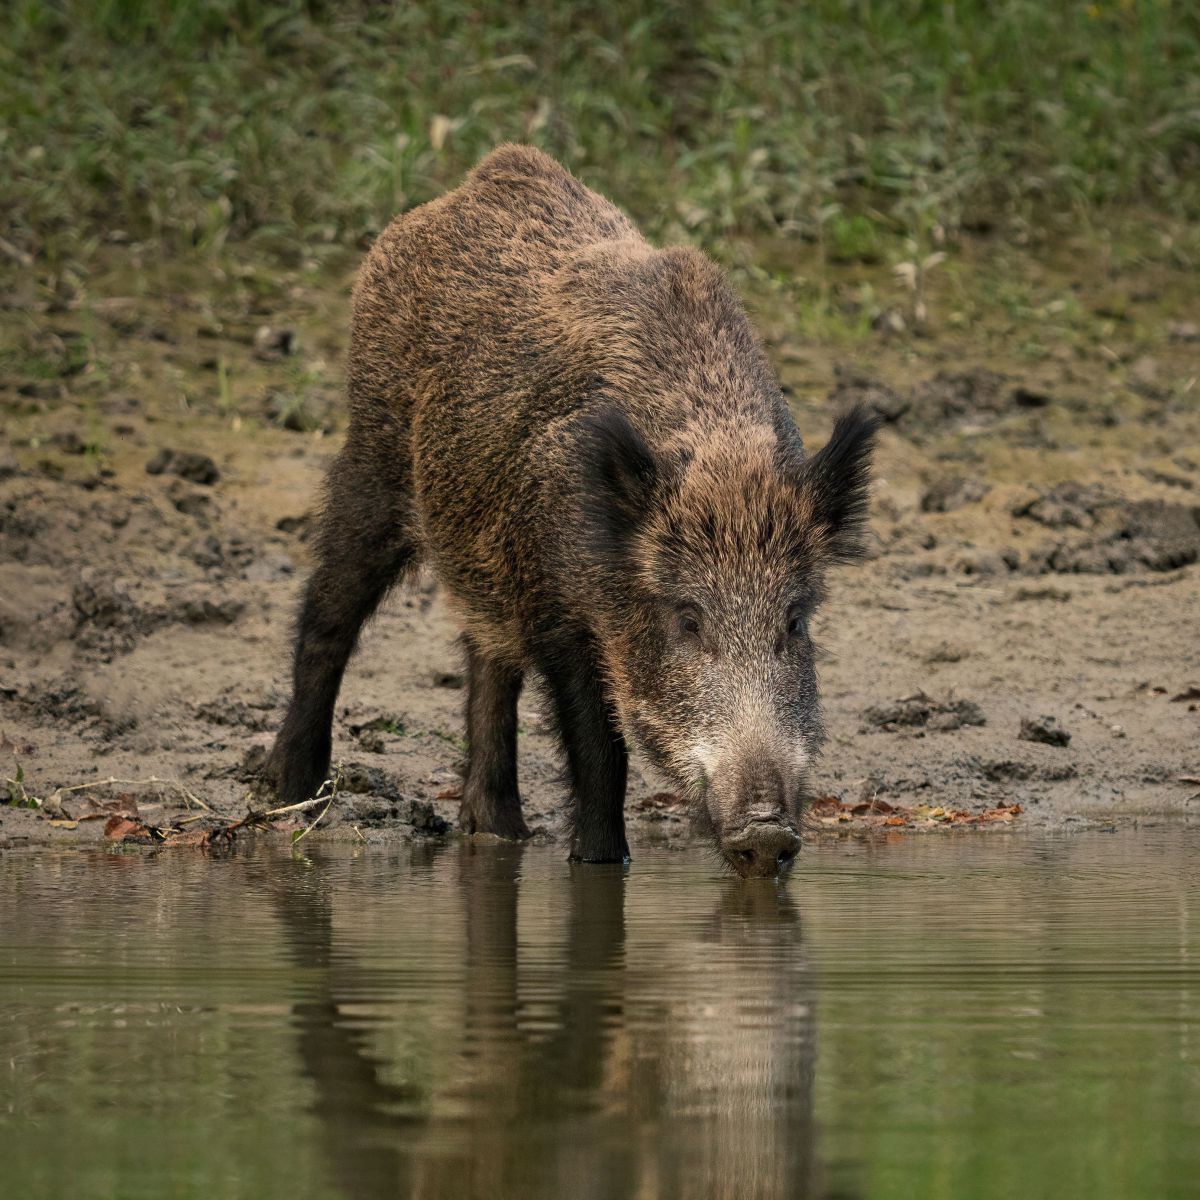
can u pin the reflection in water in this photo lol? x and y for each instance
(354, 1106)
(564, 1090)
(999, 1016)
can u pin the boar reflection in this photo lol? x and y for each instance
(627, 1056)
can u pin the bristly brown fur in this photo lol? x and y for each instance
(579, 433)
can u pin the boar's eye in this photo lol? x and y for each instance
(689, 620)
(796, 623)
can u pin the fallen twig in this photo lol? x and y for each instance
(153, 780)
(333, 783)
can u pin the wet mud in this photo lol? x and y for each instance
(1034, 565)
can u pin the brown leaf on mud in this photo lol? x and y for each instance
(830, 812)
(1001, 814)
(868, 807)
(453, 792)
(126, 829)
(121, 828)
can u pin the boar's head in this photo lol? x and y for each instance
(709, 555)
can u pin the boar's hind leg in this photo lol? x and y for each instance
(364, 545)
(597, 760)
(491, 802)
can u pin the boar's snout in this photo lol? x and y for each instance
(762, 848)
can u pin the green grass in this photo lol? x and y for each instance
(293, 127)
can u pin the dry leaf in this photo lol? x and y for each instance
(125, 829)
(875, 814)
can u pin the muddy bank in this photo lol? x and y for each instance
(1035, 564)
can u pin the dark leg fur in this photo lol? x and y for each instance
(597, 760)
(491, 802)
(364, 545)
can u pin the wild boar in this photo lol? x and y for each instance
(583, 437)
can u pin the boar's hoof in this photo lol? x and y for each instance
(499, 820)
(762, 849)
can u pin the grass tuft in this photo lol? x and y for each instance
(302, 124)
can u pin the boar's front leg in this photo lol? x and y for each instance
(597, 760)
(491, 802)
(364, 545)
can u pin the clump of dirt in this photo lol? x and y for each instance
(963, 396)
(1067, 505)
(63, 702)
(109, 620)
(947, 399)
(1119, 535)
(1046, 729)
(107, 617)
(954, 491)
(196, 468)
(1009, 770)
(922, 712)
(852, 386)
(234, 712)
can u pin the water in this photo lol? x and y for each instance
(958, 1016)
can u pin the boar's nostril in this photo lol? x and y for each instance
(762, 848)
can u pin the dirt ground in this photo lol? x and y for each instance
(1036, 554)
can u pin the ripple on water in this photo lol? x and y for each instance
(908, 1018)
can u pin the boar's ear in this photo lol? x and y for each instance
(618, 476)
(836, 482)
